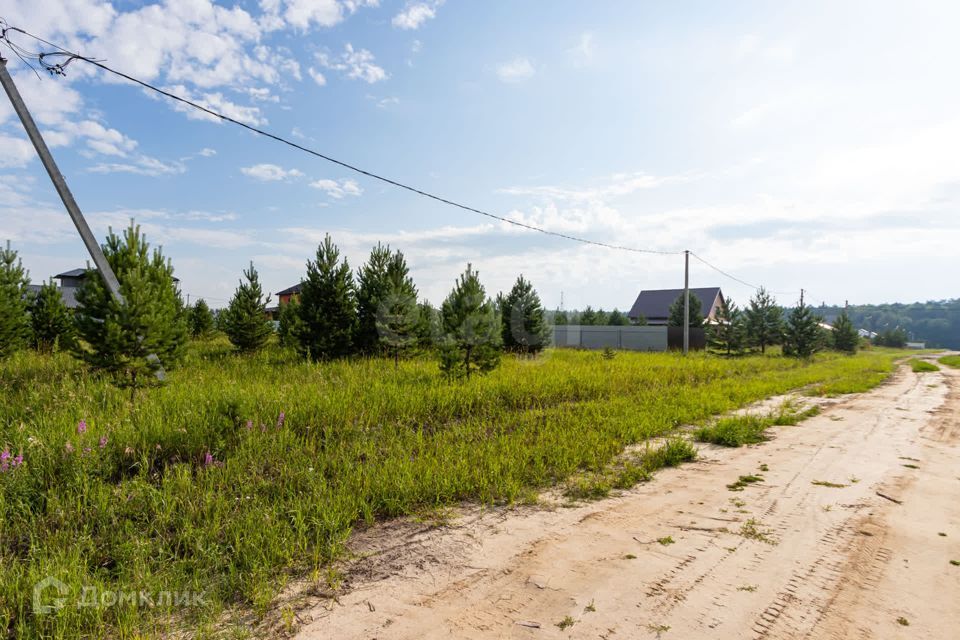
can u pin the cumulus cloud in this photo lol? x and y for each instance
(516, 70)
(270, 172)
(17, 152)
(335, 189)
(356, 64)
(414, 14)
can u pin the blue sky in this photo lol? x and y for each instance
(794, 145)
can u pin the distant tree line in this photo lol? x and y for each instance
(935, 322)
(593, 317)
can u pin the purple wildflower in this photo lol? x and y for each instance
(4, 455)
(69, 448)
(18, 460)
(82, 427)
(103, 441)
(249, 425)
(208, 459)
(280, 419)
(86, 450)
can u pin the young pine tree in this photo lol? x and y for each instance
(763, 321)
(524, 329)
(398, 313)
(328, 307)
(428, 325)
(291, 326)
(372, 288)
(726, 334)
(201, 319)
(802, 336)
(14, 321)
(122, 337)
(845, 336)
(675, 318)
(560, 318)
(471, 329)
(617, 319)
(245, 322)
(50, 319)
(588, 317)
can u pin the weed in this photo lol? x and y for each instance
(666, 540)
(903, 621)
(955, 563)
(737, 502)
(853, 479)
(751, 529)
(764, 467)
(743, 481)
(826, 483)
(658, 628)
(828, 507)
(942, 534)
(910, 465)
(590, 608)
(749, 587)
(629, 556)
(922, 366)
(566, 622)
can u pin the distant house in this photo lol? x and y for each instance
(285, 296)
(916, 345)
(71, 281)
(654, 304)
(865, 333)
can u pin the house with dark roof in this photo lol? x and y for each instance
(285, 296)
(654, 304)
(71, 281)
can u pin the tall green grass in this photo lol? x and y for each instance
(245, 471)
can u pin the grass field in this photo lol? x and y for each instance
(243, 472)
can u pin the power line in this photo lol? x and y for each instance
(58, 69)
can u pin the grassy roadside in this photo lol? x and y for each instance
(950, 361)
(244, 471)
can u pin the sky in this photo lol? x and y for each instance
(793, 145)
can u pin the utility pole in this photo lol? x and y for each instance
(60, 184)
(686, 302)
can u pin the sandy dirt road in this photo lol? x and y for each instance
(788, 557)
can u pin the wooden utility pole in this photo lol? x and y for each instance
(686, 302)
(60, 184)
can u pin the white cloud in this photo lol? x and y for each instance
(270, 172)
(414, 14)
(207, 152)
(142, 165)
(317, 76)
(356, 64)
(216, 101)
(619, 184)
(516, 70)
(17, 152)
(334, 189)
